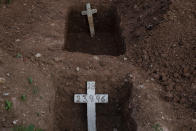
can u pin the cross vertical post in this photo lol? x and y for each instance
(91, 99)
(89, 12)
(91, 112)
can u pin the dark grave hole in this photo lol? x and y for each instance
(107, 39)
(113, 115)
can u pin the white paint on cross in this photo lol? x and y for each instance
(89, 12)
(91, 99)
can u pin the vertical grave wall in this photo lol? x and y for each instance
(114, 115)
(108, 39)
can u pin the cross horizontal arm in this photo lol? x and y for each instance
(101, 98)
(84, 98)
(93, 11)
(80, 98)
(84, 12)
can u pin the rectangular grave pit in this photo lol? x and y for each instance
(107, 40)
(113, 115)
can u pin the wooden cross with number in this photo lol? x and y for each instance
(89, 12)
(91, 99)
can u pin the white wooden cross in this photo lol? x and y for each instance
(89, 12)
(91, 99)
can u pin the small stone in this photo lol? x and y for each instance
(38, 55)
(2, 80)
(6, 94)
(126, 80)
(125, 58)
(17, 40)
(149, 27)
(96, 58)
(57, 59)
(155, 18)
(24, 114)
(135, 6)
(53, 24)
(141, 86)
(15, 122)
(8, 74)
(130, 75)
(77, 69)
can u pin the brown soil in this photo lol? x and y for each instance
(107, 40)
(109, 116)
(143, 56)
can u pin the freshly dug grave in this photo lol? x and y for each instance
(111, 116)
(155, 37)
(108, 39)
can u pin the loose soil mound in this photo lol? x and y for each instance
(166, 53)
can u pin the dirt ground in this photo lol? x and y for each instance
(143, 56)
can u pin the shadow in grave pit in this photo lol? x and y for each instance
(114, 115)
(107, 40)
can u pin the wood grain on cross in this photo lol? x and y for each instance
(89, 12)
(91, 99)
